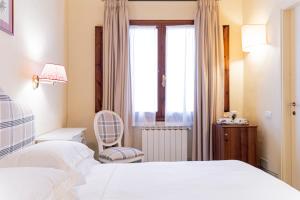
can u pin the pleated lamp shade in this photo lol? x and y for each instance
(54, 73)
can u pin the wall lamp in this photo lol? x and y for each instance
(253, 35)
(51, 74)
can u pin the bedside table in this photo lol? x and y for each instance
(235, 142)
(63, 134)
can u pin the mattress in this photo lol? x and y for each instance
(214, 180)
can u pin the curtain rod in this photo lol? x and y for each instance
(164, 0)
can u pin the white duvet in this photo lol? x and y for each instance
(226, 180)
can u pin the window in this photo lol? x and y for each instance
(162, 61)
(143, 63)
(160, 111)
(180, 73)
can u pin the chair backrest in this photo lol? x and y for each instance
(109, 128)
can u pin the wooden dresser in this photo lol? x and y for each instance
(235, 142)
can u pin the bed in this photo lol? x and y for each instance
(67, 170)
(229, 180)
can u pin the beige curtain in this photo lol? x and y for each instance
(116, 72)
(209, 103)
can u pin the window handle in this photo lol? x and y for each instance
(164, 81)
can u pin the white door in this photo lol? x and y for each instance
(295, 104)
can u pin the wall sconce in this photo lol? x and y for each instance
(253, 36)
(51, 74)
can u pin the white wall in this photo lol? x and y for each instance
(296, 161)
(39, 38)
(263, 80)
(83, 16)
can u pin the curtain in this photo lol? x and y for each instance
(180, 71)
(116, 72)
(143, 64)
(209, 103)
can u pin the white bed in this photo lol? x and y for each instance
(83, 178)
(228, 180)
(62, 170)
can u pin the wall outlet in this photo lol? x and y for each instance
(268, 114)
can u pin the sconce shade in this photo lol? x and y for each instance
(253, 36)
(53, 73)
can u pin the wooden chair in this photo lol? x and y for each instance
(109, 130)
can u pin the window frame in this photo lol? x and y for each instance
(226, 42)
(161, 28)
(99, 58)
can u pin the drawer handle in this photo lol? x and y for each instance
(226, 137)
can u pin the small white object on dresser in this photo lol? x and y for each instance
(63, 134)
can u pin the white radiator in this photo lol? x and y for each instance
(165, 144)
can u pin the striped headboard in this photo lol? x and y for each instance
(16, 125)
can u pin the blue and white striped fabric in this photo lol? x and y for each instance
(16, 126)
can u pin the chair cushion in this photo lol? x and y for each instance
(120, 153)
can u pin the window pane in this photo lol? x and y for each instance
(180, 73)
(143, 62)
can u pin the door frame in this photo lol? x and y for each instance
(287, 59)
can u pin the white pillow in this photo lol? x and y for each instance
(35, 184)
(85, 166)
(63, 155)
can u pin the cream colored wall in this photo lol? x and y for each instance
(232, 14)
(83, 16)
(263, 81)
(38, 39)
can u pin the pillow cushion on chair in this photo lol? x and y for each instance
(121, 153)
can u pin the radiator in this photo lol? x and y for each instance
(165, 144)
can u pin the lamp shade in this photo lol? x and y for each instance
(253, 36)
(54, 73)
